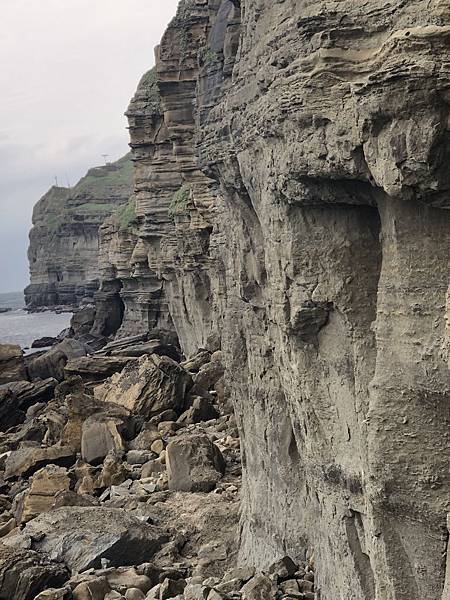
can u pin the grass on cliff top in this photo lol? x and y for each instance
(127, 214)
(103, 180)
(180, 201)
(96, 195)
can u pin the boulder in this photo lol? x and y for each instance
(52, 362)
(17, 397)
(260, 587)
(208, 375)
(194, 464)
(148, 386)
(100, 435)
(82, 321)
(150, 347)
(28, 460)
(44, 342)
(96, 368)
(202, 409)
(12, 366)
(40, 496)
(24, 574)
(81, 536)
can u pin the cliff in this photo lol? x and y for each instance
(291, 196)
(63, 251)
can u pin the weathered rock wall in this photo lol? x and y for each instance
(330, 147)
(291, 196)
(63, 251)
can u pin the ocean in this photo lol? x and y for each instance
(22, 328)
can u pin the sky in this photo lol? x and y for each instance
(68, 69)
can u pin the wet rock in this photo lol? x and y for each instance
(194, 463)
(81, 536)
(12, 366)
(24, 574)
(147, 387)
(44, 342)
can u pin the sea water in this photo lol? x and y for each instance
(17, 326)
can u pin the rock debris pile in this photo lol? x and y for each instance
(120, 478)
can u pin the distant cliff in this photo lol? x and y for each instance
(63, 251)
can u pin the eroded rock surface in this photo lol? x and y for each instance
(313, 188)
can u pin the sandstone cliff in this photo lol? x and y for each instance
(291, 196)
(63, 251)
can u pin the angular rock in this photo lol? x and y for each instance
(26, 461)
(260, 587)
(18, 397)
(147, 387)
(202, 409)
(52, 362)
(81, 536)
(24, 574)
(100, 435)
(44, 342)
(96, 368)
(45, 485)
(194, 464)
(12, 366)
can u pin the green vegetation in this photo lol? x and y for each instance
(103, 180)
(127, 213)
(180, 200)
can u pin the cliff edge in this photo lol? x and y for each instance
(63, 251)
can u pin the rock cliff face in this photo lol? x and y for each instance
(291, 190)
(63, 251)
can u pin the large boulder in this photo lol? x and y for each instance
(24, 574)
(17, 397)
(194, 464)
(81, 536)
(96, 368)
(28, 460)
(39, 498)
(82, 321)
(148, 386)
(12, 366)
(52, 362)
(101, 435)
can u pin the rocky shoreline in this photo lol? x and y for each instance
(120, 477)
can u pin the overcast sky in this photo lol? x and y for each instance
(68, 69)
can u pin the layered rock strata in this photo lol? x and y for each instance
(316, 242)
(63, 251)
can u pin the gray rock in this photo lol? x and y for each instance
(24, 574)
(81, 536)
(194, 464)
(12, 366)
